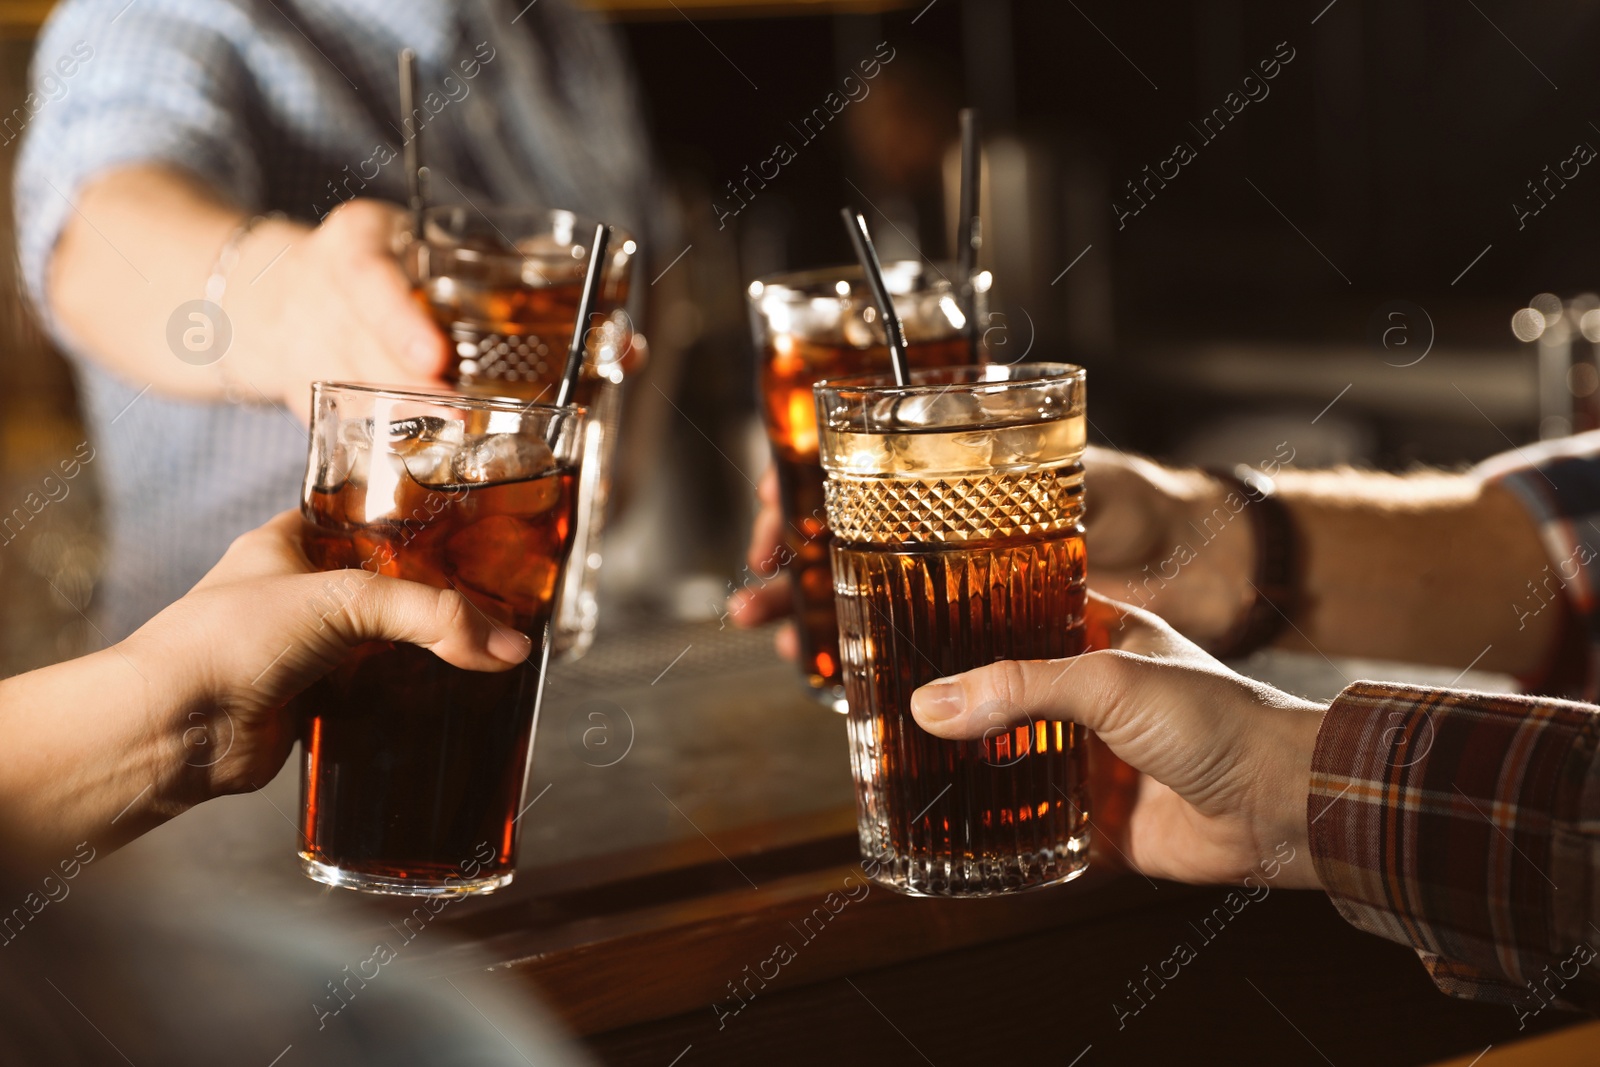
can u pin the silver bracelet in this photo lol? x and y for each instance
(228, 257)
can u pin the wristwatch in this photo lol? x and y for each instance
(1277, 581)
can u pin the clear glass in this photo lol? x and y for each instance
(820, 324)
(504, 284)
(414, 770)
(956, 506)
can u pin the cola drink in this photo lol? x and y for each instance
(414, 768)
(956, 509)
(817, 325)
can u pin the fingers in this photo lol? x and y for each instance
(441, 620)
(786, 642)
(762, 603)
(766, 539)
(379, 290)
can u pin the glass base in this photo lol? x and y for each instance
(989, 878)
(361, 882)
(829, 696)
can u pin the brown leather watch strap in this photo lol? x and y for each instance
(1277, 580)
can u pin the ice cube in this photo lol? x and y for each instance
(501, 457)
(942, 409)
(345, 454)
(1014, 445)
(426, 445)
(427, 428)
(496, 557)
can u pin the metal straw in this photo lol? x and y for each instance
(416, 173)
(861, 237)
(580, 330)
(969, 235)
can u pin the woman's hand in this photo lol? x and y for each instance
(262, 625)
(1224, 762)
(193, 705)
(759, 599)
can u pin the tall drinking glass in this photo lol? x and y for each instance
(414, 769)
(504, 284)
(820, 324)
(956, 505)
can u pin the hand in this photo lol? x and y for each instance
(335, 307)
(761, 599)
(1165, 540)
(260, 627)
(1224, 762)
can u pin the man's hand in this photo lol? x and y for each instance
(335, 307)
(1224, 762)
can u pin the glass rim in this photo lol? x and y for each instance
(884, 385)
(495, 213)
(816, 282)
(448, 397)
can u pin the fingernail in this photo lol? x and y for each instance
(509, 646)
(424, 353)
(938, 701)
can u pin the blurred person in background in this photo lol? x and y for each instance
(249, 152)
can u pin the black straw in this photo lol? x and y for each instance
(969, 235)
(861, 237)
(580, 331)
(416, 173)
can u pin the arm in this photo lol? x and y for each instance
(192, 706)
(302, 304)
(1425, 568)
(1383, 799)
(129, 187)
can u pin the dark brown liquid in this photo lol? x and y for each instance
(414, 768)
(512, 339)
(790, 367)
(1007, 811)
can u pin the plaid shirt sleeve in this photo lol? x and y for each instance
(1559, 483)
(1467, 825)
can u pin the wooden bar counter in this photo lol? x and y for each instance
(688, 889)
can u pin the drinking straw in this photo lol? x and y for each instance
(968, 235)
(861, 237)
(415, 172)
(591, 293)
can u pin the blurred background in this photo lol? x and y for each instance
(1263, 227)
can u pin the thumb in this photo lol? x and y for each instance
(1089, 689)
(440, 620)
(1094, 688)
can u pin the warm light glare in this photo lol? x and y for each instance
(952, 311)
(1590, 325)
(842, 287)
(1527, 324)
